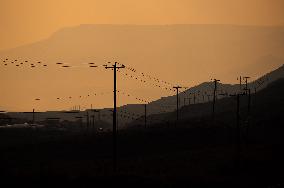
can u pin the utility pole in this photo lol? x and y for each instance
(238, 136)
(145, 115)
(198, 94)
(248, 94)
(88, 121)
(177, 88)
(93, 123)
(248, 114)
(114, 67)
(214, 97)
(240, 79)
(249, 100)
(33, 116)
(246, 81)
(93, 116)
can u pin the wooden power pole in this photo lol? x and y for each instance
(214, 97)
(114, 67)
(177, 88)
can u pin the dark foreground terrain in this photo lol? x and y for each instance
(197, 152)
(166, 157)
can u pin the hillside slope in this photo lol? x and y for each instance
(179, 54)
(266, 107)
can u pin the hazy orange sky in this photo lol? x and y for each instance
(198, 52)
(26, 21)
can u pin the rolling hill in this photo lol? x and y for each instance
(265, 110)
(180, 54)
